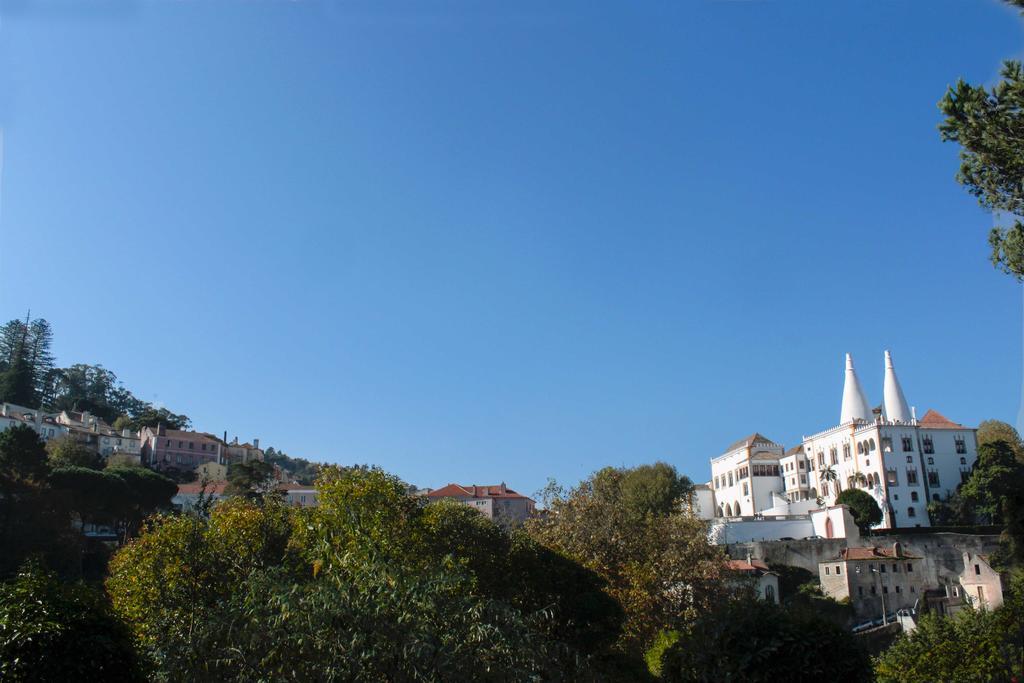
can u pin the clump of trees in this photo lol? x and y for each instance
(47, 497)
(299, 469)
(634, 528)
(754, 640)
(369, 585)
(52, 630)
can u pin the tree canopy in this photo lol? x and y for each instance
(988, 124)
(863, 507)
(628, 526)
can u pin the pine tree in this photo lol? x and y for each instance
(16, 383)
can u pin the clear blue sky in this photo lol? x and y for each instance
(489, 241)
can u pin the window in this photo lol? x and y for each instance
(846, 451)
(885, 590)
(897, 589)
(860, 448)
(977, 570)
(911, 476)
(181, 444)
(803, 464)
(746, 490)
(887, 444)
(908, 444)
(913, 496)
(839, 570)
(881, 568)
(963, 461)
(873, 591)
(168, 443)
(933, 478)
(191, 445)
(910, 458)
(911, 512)
(961, 445)
(913, 590)
(827, 572)
(821, 458)
(931, 461)
(910, 567)
(824, 488)
(203, 445)
(730, 479)
(832, 454)
(871, 444)
(769, 593)
(833, 457)
(891, 478)
(926, 445)
(895, 568)
(803, 478)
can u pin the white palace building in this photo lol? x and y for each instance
(903, 461)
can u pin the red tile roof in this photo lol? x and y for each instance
(936, 420)
(212, 487)
(874, 554)
(745, 566)
(474, 491)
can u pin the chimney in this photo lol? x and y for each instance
(225, 436)
(160, 429)
(256, 443)
(855, 405)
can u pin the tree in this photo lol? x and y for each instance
(150, 416)
(16, 383)
(863, 507)
(147, 492)
(250, 479)
(95, 496)
(989, 126)
(753, 640)
(22, 455)
(369, 585)
(995, 492)
(995, 430)
(54, 631)
(66, 451)
(656, 559)
(299, 469)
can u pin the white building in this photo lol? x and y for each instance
(746, 475)
(44, 425)
(902, 461)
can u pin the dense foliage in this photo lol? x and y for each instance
(988, 124)
(55, 631)
(634, 528)
(369, 585)
(298, 469)
(753, 640)
(863, 507)
(973, 645)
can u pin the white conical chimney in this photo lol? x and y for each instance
(855, 405)
(895, 403)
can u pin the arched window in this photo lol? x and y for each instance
(720, 512)
(769, 593)
(860, 448)
(829, 530)
(871, 444)
(730, 479)
(728, 510)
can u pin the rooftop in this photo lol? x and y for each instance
(474, 491)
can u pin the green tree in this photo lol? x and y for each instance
(753, 640)
(863, 507)
(95, 496)
(17, 385)
(22, 455)
(251, 479)
(66, 451)
(989, 126)
(655, 559)
(147, 492)
(995, 492)
(370, 585)
(996, 430)
(55, 631)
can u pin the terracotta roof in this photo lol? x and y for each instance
(474, 491)
(795, 450)
(874, 554)
(936, 420)
(212, 487)
(756, 436)
(744, 566)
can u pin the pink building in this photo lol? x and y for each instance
(165, 449)
(499, 503)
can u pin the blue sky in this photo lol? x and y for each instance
(488, 241)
